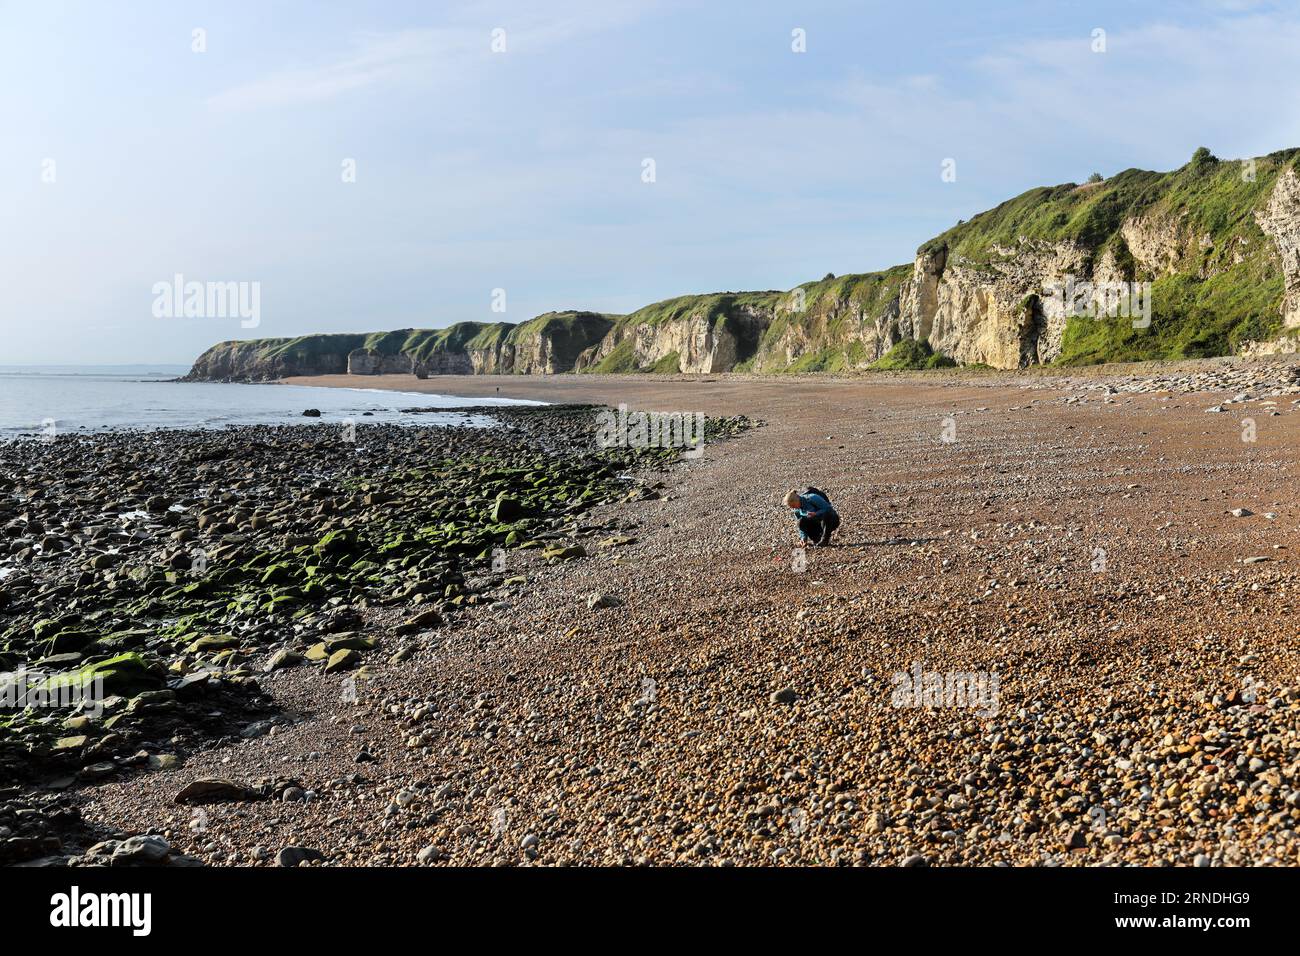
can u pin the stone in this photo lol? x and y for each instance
(139, 850)
(70, 641)
(424, 621)
(212, 642)
(506, 509)
(281, 659)
(561, 553)
(342, 660)
(293, 855)
(336, 542)
(124, 674)
(214, 790)
(353, 642)
(152, 702)
(192, 685)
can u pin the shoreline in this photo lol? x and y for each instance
(42, 406)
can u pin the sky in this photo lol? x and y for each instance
(382, 165)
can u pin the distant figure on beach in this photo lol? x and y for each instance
(817, 517)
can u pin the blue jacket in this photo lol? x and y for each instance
(812, 506)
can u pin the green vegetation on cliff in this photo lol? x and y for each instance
(911, 354)
(835, 312)
(1206, 197)
(1190, 318)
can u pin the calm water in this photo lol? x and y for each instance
(90, 398)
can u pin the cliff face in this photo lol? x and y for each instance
(260, 360)
(1280, 221)
(547, 344)
(705, 333)
(1203, 260)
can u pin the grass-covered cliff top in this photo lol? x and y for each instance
(711, 305)
(1206, 197)
(576, 326)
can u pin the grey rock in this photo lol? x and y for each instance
(138, 850)
(429, 854)
(293, 855)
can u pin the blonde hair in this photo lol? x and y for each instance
(792, 499)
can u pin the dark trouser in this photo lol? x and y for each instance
(818, 530)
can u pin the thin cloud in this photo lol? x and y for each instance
(417, 56)
(376, 59)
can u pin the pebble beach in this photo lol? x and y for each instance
(1090, 579)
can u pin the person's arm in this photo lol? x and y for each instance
(799, 514)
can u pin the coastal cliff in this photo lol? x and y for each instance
(1210, 253)
(547, 344)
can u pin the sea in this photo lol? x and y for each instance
(52, 400)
